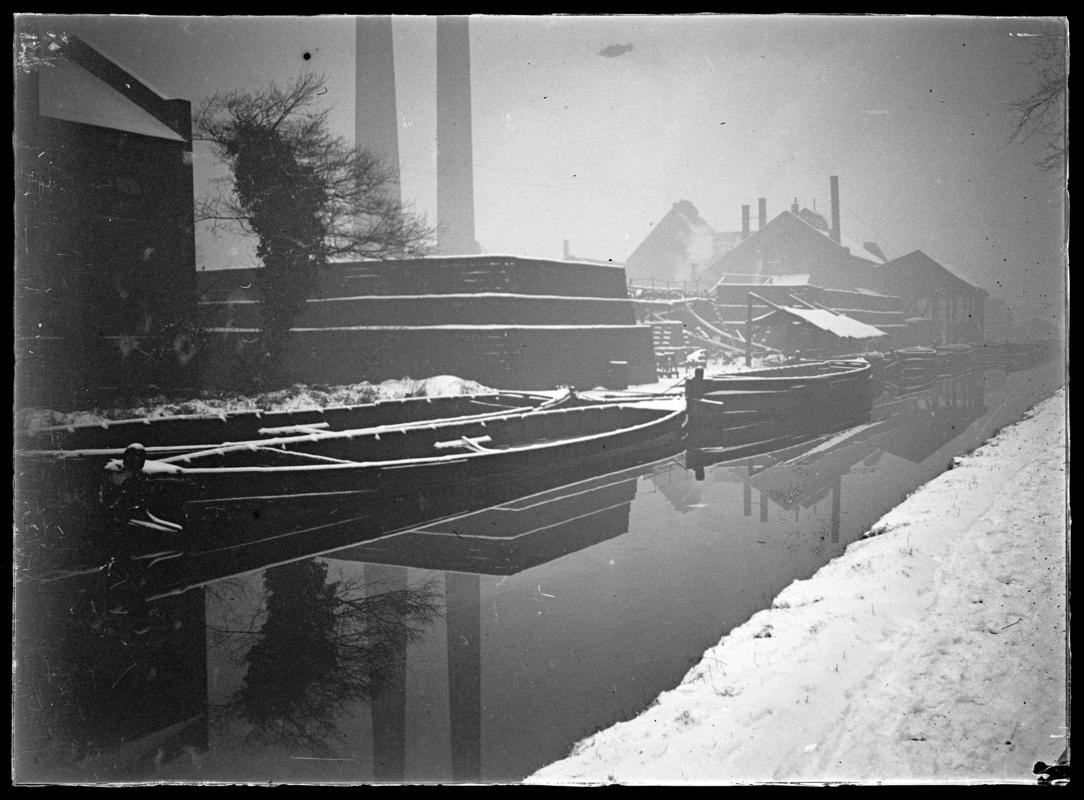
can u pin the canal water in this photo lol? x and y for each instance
(474, 649)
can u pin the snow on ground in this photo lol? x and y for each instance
(932, 652)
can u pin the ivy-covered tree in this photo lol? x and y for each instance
(306, 195)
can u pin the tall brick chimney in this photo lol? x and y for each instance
(762, 212)
(745, 222)
(376, 124)
(455, 157)
(835, 208)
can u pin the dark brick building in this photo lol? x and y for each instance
(104, 272)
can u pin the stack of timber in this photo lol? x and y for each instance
(499, 320)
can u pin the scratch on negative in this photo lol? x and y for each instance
(543, 593)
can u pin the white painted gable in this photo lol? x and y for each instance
(69, 92)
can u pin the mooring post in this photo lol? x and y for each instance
(749, 330)
(694, 387)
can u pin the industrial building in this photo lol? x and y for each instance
(929, 290)
(105, 265)
(107, 292)
(797, 283)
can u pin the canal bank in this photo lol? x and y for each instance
(930, 651)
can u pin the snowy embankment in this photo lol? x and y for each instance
(934, 651)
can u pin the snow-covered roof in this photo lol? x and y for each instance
(351, 259)
(839, 324)
(738, 279)
(788, 280)
(446, 327)
(519, 257)
(69, 92)
(431, 296)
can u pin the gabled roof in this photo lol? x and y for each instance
(788, 223)
(82, 85)
(812, 219)
(916, 272)
(680, 238)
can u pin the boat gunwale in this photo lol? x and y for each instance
(666, 417)
(192, 450)
(848, 368)
(259, 413)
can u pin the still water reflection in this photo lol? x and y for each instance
(479, 648)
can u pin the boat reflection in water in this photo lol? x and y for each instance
(290, 647)
(437, 727)
(911, 426)
(483, 646)
(499, 541)
(507, 686)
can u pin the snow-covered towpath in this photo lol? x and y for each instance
(934, 651)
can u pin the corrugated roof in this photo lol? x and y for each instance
(838, 324)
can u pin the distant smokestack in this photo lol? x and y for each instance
(835, 208)
(745, 222)
(794, 206)
(568, 250)
(762, 212)
(455, 157)
(376, 126)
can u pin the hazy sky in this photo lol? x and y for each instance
(576, 138)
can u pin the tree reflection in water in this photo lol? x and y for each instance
(315, 646)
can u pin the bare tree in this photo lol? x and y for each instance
(308, 196)
(1042, 114)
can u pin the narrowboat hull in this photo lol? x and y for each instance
(779, 404)
(239, 496)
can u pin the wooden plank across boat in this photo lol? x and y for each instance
(178, 433)
(778, 403)
(261, 489)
